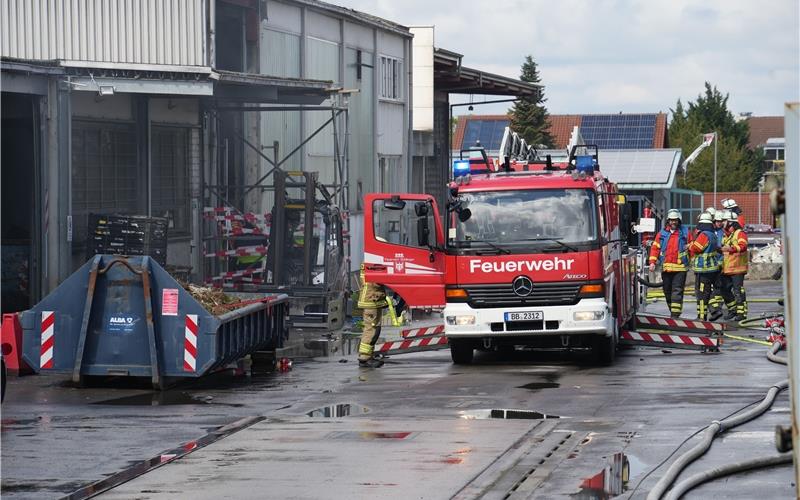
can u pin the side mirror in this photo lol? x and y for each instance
(464, 214)
(394, 203)
(625, 220)
(423, 232)
(421, 208)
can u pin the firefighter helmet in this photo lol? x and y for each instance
(726, 215)
(729, 203)
(733, 217)
(718, 215)
(673, 214)
(705, 217)
(711, 210)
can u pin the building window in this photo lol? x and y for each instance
(391, 78)
(105, 172)
(171, 154)
(389, 174)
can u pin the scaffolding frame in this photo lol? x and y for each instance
(219, 195)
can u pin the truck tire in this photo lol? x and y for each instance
(461, 351)
(604, 349)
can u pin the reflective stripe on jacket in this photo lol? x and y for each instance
(705, 249)
(735, 262)
(671, 251)
(372, 295)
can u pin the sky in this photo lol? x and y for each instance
(610, 56)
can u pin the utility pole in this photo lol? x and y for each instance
(715, 168)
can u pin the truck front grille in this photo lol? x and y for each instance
(543, 294)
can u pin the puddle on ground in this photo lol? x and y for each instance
(156, 399)
(505, 414)
(535, 386)
(338, 410)
(613, 480)
(368, 435)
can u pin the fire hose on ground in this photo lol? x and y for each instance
(710, 433)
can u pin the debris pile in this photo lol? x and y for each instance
(768, 254)
(213, 299)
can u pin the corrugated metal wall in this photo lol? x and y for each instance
(322, 63)
(115, 31)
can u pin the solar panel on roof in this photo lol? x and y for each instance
(619, 131)
(489, 132)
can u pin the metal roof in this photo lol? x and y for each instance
(253, 88)
(640, 168)
(450, 76)
(355, 15)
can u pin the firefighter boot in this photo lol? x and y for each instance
(369, 337)
(731, 310)
(370, 363)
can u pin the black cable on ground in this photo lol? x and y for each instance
(646, 282)
(715, 428)
(709, 433)
(687, 484)
(698, 431)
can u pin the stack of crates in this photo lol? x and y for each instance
(128, 235)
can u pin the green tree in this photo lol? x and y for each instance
(738, 168)
(529, 115)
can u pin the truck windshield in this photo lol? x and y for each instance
(558, 219)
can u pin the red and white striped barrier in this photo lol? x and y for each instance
(48, 339)
(414, 345)
(238, 231)
(236, 281)
(665, 323)
(667, 339)
(422, 332)
(235, 217)
(249, 251)
(236, 274)
(190, 344)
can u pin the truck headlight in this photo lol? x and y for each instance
(588, 315)
(461, 320)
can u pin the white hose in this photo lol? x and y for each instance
(708, 436)
(687, 484)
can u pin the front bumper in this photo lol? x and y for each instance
(558, 320)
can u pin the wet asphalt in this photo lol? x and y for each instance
(309, 433)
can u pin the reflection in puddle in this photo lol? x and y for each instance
(155, 399)
(540, 385)
(611, 481)
(367, 435)
(505, 414)
(340, 410)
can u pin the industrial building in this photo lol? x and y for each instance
(148, 116)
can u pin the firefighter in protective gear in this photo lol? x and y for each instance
(715, 304)
(372, 299)
(706, 262)
(734, 267)
(670, 250)
(730, 204)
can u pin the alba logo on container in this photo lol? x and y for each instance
(121, 324)
(514, 266)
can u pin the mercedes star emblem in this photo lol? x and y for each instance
(522, 286)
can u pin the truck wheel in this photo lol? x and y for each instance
(461, 351)
(604, 350)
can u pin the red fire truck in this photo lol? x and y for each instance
(528, 252)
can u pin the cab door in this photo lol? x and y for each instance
(404, 246)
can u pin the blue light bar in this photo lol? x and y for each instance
(584, 164)
(460, 167)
